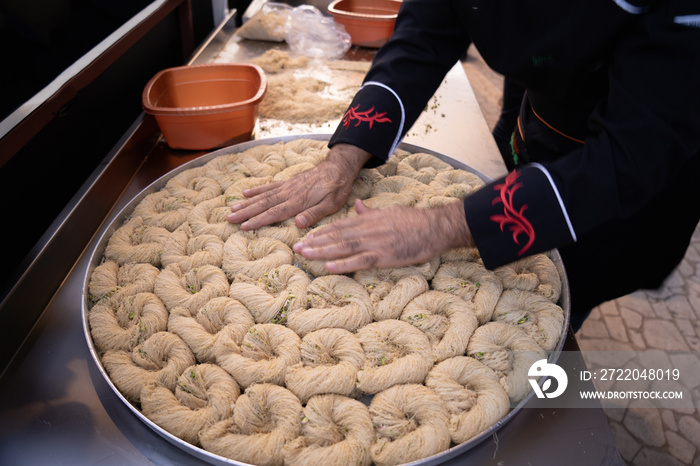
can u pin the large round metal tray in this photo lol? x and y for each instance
(98, 252)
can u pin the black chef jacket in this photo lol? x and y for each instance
(608, 141)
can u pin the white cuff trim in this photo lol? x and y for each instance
(399, 133)
(632, 9)
(688, 20)
(564, 212)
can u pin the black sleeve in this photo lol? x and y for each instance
(426, 43)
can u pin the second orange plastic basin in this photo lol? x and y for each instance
(369, 22)
(202, 107)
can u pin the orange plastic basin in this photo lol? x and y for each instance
(202, 107)
(369, 22)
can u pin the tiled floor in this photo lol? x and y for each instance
(667, 320)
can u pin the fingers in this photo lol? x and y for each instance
(245, 210)
(316, 213)
(264, 208)
(348, 245)
(354, 263)
(257, 190)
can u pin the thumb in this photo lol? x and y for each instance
(360, 207)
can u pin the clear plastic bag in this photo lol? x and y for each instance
(314, 35)
(269, 23)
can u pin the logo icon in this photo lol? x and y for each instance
(542, 368)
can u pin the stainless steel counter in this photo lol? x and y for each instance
(55, 407)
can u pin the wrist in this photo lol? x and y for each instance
(350, 157)
(452, 226)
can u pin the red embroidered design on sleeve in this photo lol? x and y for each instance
(353, 114)
(519, 225)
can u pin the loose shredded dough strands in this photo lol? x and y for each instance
(299, 100)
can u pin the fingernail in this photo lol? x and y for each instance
(245, 225)
(331, 266)
(298, 246)
(302, 221)
(235, 207)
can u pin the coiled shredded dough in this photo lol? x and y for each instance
(110, 280)
(422, 167)
(446, 320)
(209, 218)
(159, 359)
(391, 289)
(396, 353)
(265, 418)
(410, 421)
(136, 242)
(470, 281)
(188, 250)
(472, 394)
(264, 355)
(124, 322)
(509, 352)
(160, 209)
(335, 431)
(254, 257)
(535, 273)
(533, 313)
(204, 394)
(330, 359)
(221, 321)
(274, 296)
(191, 289)
(334, 301)
(193, 185)
(186, 310)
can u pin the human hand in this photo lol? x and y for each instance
(310, 195)
(391, 237)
